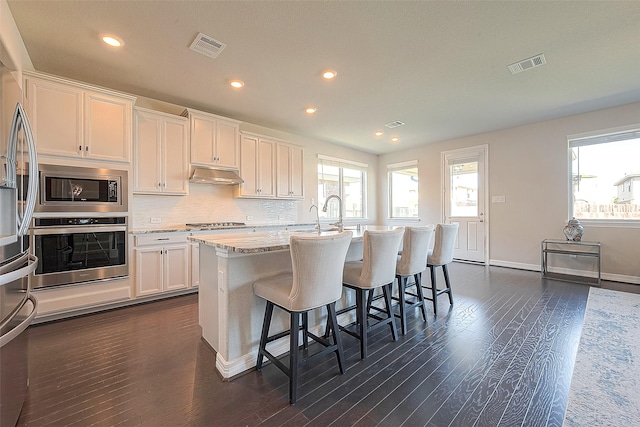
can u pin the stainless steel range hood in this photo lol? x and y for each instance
(212, 175)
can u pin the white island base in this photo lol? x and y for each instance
(230, 314)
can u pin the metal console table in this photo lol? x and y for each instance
(568, 247)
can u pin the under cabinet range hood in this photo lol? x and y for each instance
(209, 175)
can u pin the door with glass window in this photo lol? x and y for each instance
(464, 195)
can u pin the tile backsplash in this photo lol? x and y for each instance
(209, 203)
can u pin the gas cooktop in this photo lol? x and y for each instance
(214, 225)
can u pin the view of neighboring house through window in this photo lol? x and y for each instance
(345, 179)
(403, 189)
(605, 175)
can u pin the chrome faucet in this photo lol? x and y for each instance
(324, 209)
(317, 217)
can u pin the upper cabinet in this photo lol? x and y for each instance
(161, 163)
(214, 140)
(290, 173)
(257, 166)
(74, 120)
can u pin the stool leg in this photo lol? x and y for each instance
(305, 330)
(386, 290)
(402, 282)
(418, 278)
(361, 308)
(445, 270)
(337, 339)
(434, 289)
(268, 312)
(293, 356)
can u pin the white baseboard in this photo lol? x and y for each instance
(591, 274)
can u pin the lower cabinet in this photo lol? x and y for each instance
(162, 263)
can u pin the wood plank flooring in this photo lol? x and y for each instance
(502, 355)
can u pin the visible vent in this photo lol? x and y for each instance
(395, 124)
(527, 64)
(207, 45)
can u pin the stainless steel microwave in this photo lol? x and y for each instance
(78, 189)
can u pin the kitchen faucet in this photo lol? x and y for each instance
(324, 209)
(317, 217)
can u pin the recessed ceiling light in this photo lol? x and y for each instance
(329, 74)
(237, 84)
(112, 40)
(379, 133)
(310, 110)
(395, 139)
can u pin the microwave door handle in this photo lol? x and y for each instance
(30, 202)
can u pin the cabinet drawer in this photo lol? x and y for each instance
(160, 239)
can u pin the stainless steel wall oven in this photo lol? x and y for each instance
(75, 250)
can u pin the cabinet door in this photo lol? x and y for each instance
(147, 153)
(175, 152)
(176, 267)
(227, 144)
(296, 171)
(203, 133)
(249, 166)
(55, 114)
(266, 168)
(149, 270)
(107, 131)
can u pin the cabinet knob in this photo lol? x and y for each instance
(159, 184)
(79, 147)
(86, 148)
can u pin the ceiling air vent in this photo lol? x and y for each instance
(527, 64)
(207, 45)
(395, 124)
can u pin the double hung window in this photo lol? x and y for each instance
(403, 190)
(346, 179)
(605, 175)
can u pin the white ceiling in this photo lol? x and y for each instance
(440, 67)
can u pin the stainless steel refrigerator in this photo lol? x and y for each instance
(17, 200)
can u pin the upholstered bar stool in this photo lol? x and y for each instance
(442, 254)
(412, 262)
(376, 270)
(315, 281)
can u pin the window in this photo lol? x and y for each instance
(403, 189)
(345, 179)
(605, 175)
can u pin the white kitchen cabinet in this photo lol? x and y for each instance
(74, 120)
(161, 164)
(214, 140)
(257, 166)
(290, 171)
(162, 263)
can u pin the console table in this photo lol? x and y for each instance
(571, 248)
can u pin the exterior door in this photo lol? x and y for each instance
(464, 177)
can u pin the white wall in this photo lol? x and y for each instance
(529, 166)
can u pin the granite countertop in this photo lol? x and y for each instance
(267, 241)
(185, 229)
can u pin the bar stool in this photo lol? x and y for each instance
(315, 280)
(412, 262)
(376, 270)
(441, 255)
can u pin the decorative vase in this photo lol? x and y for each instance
(573, 230)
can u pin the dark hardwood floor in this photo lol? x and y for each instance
(502, 355)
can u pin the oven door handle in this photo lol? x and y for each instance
(77, 230)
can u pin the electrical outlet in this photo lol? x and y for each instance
(313, 201)
(498, 199)
(280, 216)
(249, 217)
(156, 220)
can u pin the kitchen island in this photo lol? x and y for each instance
(229, 313)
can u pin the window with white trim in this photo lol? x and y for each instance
(403, 189)
(346, 179)
(605, 175)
